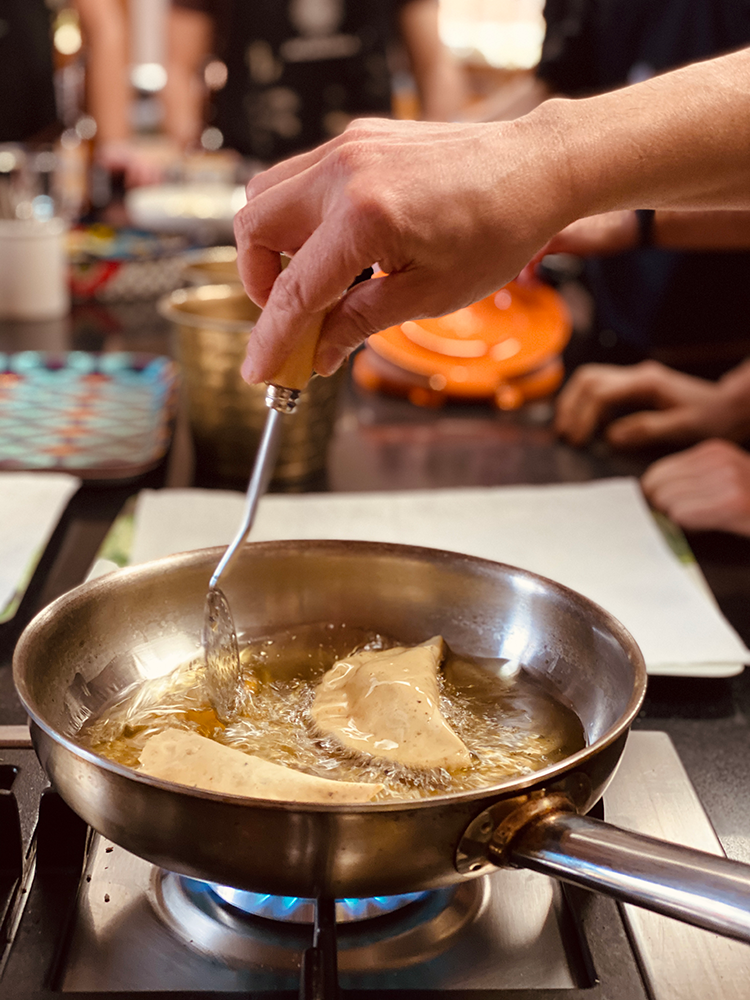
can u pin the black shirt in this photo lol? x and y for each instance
(27, 95)
(299, 70)
(651, 298)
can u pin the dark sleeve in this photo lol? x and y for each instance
(568, 60)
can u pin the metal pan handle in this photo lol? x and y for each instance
(701, 889)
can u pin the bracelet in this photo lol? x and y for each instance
(644, 218)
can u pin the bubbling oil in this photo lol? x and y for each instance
(509, 720)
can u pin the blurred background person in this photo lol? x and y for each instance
(110, 97)
(688, 309)
(28, 112)
(290, 75)
(649, 405)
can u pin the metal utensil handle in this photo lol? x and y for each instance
(698, 888)
(262, 469)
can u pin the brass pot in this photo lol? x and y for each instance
(212, 324)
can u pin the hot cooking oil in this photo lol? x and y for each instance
(509, 720)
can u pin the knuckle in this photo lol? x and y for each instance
(360, 323)
(287, 295)
(652, 371)
(247, 223)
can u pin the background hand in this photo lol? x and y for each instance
(677, 408)
(706, 488)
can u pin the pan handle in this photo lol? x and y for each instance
(700, 889)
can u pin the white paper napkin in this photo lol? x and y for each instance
(31, 504)
(598, 538)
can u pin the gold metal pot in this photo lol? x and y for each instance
(212, 324)
(211, 266)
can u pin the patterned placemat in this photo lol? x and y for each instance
(100, 416)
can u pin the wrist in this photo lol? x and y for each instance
(553, 123)
(734, 389)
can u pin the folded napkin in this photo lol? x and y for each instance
(31, 504)
(598, 538)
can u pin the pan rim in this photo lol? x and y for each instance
(209, 555)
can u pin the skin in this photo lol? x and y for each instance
(190, 36)
(109, 94)
(670, 406)
(706, 488)
(452, 212)
(439, 80)
(612, 232)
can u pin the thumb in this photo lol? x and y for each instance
(670, 426)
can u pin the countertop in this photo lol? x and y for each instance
(381, 443)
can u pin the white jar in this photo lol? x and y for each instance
(34, 283)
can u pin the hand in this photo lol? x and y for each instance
(450, 212)
(594, 236)
(678, 408)
(706, 488)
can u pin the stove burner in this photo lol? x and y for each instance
(219, 922)
(297, 910)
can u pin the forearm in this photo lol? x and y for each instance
(677, 141)
(189, 41)
(441, 91)
(183, 99)
(701, 230)
(108, 90)
(440, 80)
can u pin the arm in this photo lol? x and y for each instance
(516, 98)
(109, 94)
(613, 232)
(190, 37)
(453, 212)
(439, 80)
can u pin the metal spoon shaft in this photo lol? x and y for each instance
(262, 470)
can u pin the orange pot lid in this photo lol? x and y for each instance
(472, 351)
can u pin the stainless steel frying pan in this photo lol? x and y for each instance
(94, 643)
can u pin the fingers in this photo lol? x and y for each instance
(705, 488)
(313, 283)
(594, 391)
(589, 396)
(377, 304)
(266, 227)
(650, 427)
(375, 194)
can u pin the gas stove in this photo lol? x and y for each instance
(81, 917)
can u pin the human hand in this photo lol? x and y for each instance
(446, 231)
(706, 488)
(594, 236)
(677, 408)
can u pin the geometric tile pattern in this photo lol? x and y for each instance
(98, 415)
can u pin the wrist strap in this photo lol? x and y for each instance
(645, 220)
